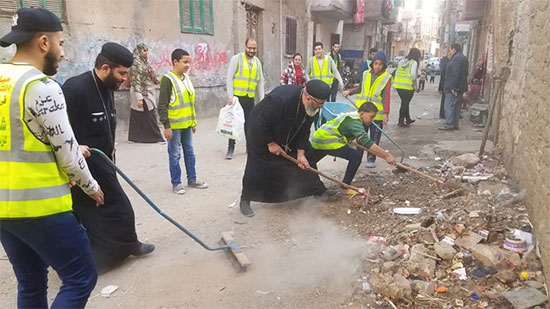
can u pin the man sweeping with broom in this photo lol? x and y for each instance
(280, 125)
(333, 137)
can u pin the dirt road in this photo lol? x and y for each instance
(300, 258)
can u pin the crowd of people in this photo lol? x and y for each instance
(50, 175)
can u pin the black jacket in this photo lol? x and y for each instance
(456, 74)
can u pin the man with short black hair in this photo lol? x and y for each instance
(176, 110)
(456, 83)
(366, 64)
(39, 158)
(91, 109)
(322, 67)
(337, 58)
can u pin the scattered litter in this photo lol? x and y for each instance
(349, 211)
(437, 158)
(475, 296)
(408, 203)
(459, 303)
(506, 192)
(366, 287)
(449, 240)
(473, 214)
(483, 232)
(407, 211)
(524, 275)
(475, 178)
(413, 158)
(232, 205)
(262, 292)
(441, 216)
(108, 290)
(518, 241)
(441, 289)
(461, 272)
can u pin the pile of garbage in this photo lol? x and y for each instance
(476, 252)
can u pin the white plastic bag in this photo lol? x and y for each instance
(231, 121)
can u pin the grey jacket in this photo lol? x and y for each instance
(456, 74)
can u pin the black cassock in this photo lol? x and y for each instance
(280, 117)
(110, 227)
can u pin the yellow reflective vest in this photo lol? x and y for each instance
(403, 77)
(323, 73)
(181, 112)
(247, 77)
(31, 183)
(372, 92)
(328, 136)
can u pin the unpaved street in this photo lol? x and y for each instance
(300, 258)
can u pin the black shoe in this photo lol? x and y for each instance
(408, 122)
(246, 210)
(229, 154)
(142, 249)
(445, 129)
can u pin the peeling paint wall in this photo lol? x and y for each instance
(91, 23)
(524, 133)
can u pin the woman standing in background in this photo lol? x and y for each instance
(294, 72)
(143, 119)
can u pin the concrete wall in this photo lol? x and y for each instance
(91, 23)
(523, 128)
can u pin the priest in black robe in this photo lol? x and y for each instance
(281, 122)
(90, 105)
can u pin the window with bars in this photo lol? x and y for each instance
(8, 7)
(290, 39)
(197, 16)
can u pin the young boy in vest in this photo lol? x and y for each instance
(375, 87)
(333, 137)
(177, 113)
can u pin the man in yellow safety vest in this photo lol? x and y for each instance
(321, 66)
(244, 78)
(39, 158)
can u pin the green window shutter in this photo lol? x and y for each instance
(8, 7)
(196, 16)
(55, 6)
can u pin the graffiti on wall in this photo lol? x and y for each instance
(208, 60)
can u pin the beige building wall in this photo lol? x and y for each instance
(91, 23)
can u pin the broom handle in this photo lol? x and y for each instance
(311, 169)
(401, 166)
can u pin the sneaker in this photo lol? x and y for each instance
(246, 210)
(410, 121)
(142, 249)
(197, 185)
(178, 189)
(371, 164)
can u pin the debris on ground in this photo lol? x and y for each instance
(472, 249)
(108, 290)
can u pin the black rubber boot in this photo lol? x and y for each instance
(246, 210)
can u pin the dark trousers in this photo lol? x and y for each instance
(333, 91)
(421, 84)
(375, 136)
(442, 106)
(406, 97)
(353, 156)
(452, 110)
(432, 79)
(247, 104)
(57, 241)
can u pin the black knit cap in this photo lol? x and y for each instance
(27, 22)
(117, 54)
(318, 89)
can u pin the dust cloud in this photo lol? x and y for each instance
(309, 252)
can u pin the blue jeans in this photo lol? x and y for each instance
(353, 156)
(181, 138)
(57, 241)
(375, 136)
(452, 110)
